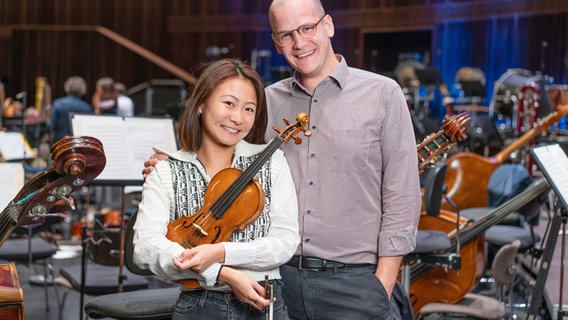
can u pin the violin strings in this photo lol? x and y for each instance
(219, 207)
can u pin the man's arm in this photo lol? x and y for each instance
(387, 271)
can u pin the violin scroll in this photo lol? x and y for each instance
(292, 129)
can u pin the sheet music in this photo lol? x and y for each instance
(127, 141)
(553, 161)
(12, 181)
(14, 146)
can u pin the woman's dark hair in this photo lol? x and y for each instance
(211, 76)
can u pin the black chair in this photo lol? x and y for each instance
(432, 246)
(100, 280)
(141, 304)
(30, 250)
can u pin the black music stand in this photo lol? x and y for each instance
(553, 162)
(430, 79)
(474, 90)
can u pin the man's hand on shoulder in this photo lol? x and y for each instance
(150, 164)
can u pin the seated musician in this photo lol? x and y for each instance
(222, 126)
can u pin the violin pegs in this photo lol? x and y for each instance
(307, 133)
(297, 140)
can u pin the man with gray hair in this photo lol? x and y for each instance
(76, 88)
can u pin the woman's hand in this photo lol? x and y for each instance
(201, 257)
(244, 287)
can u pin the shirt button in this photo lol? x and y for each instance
(313, 155)
(309, 211)
(311, 183)
(307, 240)
(315, 100)
(314, 127)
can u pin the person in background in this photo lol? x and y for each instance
(221, 126)
(105, 97)
(124, 103)
(356, 179)
(75, 87)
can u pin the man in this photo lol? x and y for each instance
(76, 88)
(356, 176)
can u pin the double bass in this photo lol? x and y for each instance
(233, 200)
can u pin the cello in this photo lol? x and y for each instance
(233, 200)
(452, 285)
(468, 174)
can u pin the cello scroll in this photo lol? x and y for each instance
(76, 161)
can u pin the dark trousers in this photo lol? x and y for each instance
(346, 293)
(208, 304)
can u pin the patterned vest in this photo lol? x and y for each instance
(190, 186)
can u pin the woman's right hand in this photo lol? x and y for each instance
(244, 287)
(151, 163)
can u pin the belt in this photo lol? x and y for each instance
(317, 264)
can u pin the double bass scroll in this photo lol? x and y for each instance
(76, 162)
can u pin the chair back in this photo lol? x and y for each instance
(502, 267)
(434, 189)
(129, 248)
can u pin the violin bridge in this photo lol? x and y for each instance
(198, 227)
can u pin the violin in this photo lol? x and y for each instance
(76, 162)
(233, 199)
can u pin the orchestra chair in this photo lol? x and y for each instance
(156, 303)
(31, 250)
(507, 181)
(431, 245)
(100, 280)
(503, 270)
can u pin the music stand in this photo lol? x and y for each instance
(473, 89)
(553, 162)
(127, 142)
(429, 78)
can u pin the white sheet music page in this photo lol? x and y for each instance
(11, 182)
(127, 141)
(554, 163)
(13, 146)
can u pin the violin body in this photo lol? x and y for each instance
(205, 227)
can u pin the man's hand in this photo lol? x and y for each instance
(151, 163)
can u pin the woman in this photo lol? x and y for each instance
(222, 126)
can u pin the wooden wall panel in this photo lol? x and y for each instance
(181, 30)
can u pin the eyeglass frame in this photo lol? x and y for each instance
(313, 25)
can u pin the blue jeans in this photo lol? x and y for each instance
(347, 293)
(207, 304)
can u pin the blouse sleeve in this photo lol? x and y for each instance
(152, 249)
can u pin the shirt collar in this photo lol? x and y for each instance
(339, 76)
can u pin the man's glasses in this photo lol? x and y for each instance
(306, 31)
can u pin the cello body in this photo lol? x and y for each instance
(468, 174)
(451, 285)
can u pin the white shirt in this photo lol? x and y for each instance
(258, 257)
